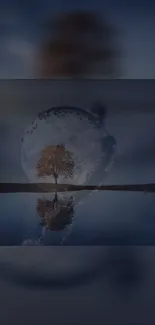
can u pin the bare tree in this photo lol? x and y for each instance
(55, 161)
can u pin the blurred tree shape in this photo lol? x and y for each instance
(55, 214)
(76, 43)
(55, 161)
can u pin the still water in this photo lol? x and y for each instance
(103, 218)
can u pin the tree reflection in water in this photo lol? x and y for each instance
(55, 214)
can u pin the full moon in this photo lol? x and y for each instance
(80, 132)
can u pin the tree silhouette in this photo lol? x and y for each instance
(55, 161)
(75, 43)
(55, 214)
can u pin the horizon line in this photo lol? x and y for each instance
(51, 187)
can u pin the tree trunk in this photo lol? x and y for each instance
(55, 176)
(55, 200)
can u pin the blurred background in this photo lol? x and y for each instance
(81, 38)
(74, 39)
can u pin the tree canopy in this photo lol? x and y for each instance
(55, 161)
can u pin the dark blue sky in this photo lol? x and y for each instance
(20, 32)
